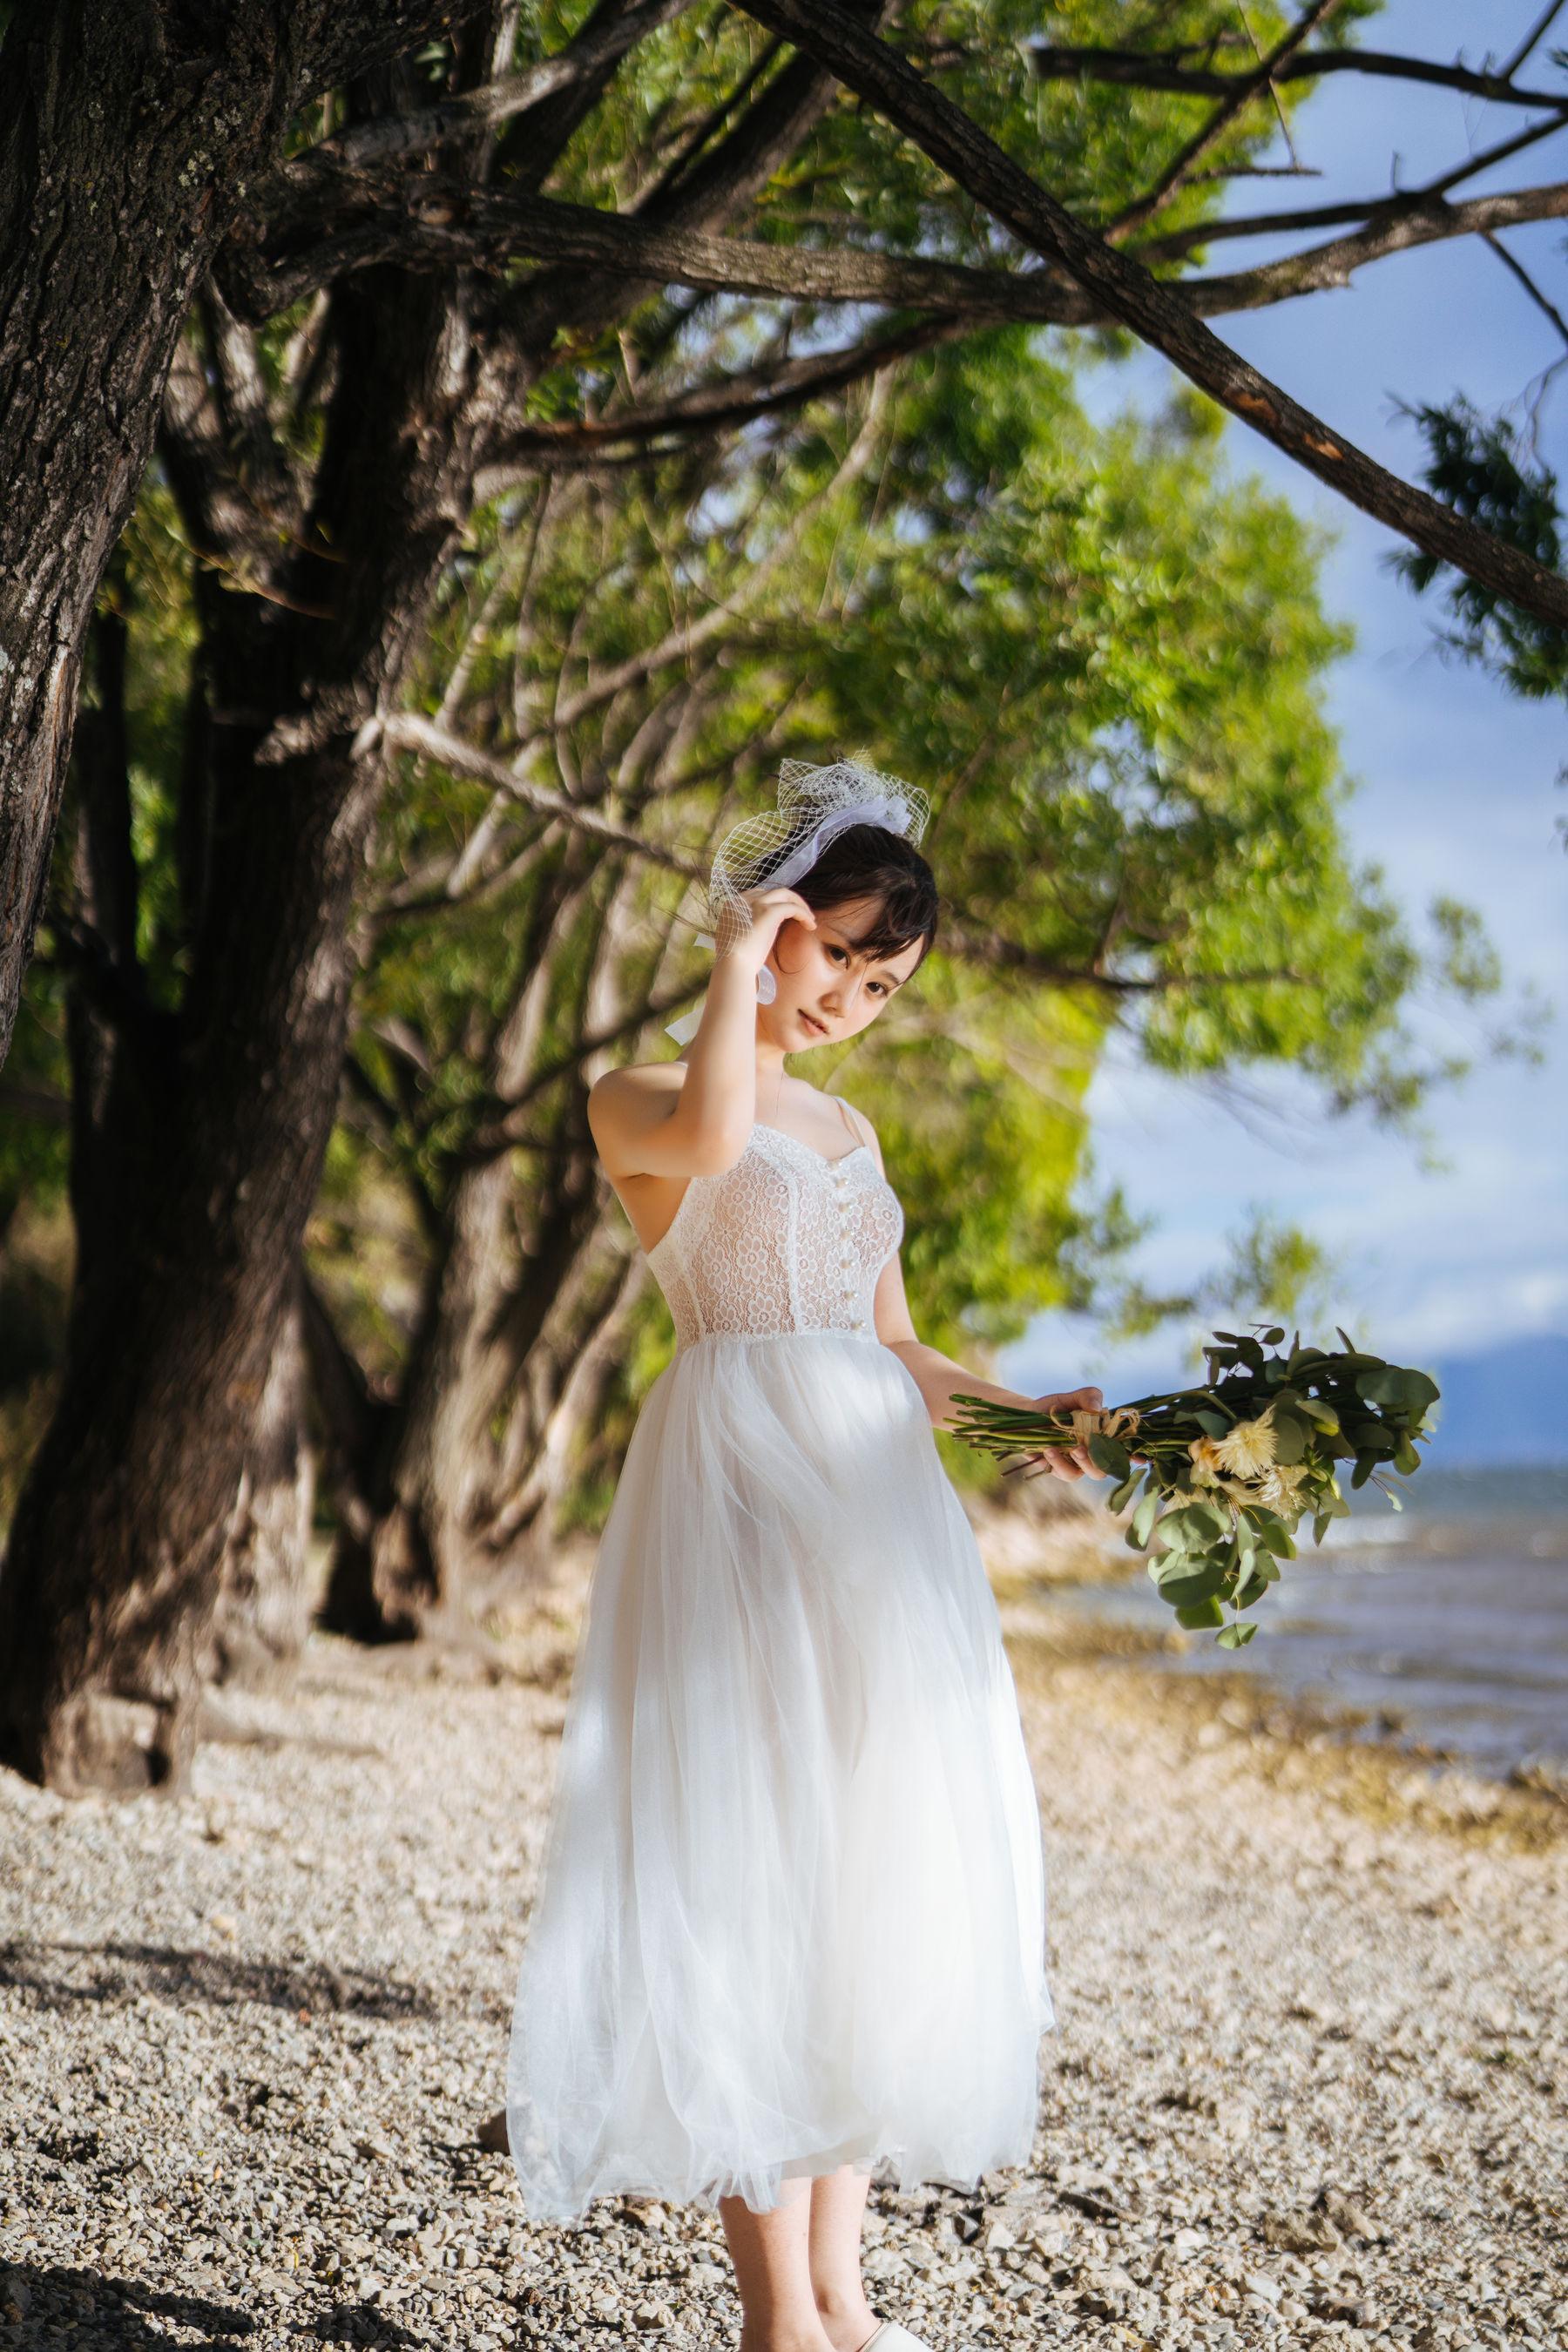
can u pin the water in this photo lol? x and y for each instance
(1450, 1620)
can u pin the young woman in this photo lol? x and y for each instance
(791, 1926)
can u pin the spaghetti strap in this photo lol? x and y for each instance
(855, 1134)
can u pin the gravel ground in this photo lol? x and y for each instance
(1309, 2078)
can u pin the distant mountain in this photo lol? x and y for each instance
(1504, 1405)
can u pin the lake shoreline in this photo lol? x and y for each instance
(1443, 1650)
(1367, 1765)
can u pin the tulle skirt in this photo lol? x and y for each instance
(792, 1907)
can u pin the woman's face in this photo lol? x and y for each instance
(828, 987)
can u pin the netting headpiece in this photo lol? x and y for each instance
(781, 844)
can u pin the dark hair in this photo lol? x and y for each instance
(867, 861)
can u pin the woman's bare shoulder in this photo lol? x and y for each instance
(622, 1101)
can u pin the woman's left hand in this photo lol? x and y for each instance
(1066, 1461)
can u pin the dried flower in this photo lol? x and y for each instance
(1280, 1486)
(1206, 1462)
(1248, 1449)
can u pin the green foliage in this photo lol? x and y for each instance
(1097, 145)
(1478, 465)
(1270, 1268)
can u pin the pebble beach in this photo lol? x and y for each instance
(1308, 2080)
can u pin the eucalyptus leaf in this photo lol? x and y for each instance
(1291, 1436)
(1143, 1516)
(1183, 1590)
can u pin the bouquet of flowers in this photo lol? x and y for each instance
(1229, 1471)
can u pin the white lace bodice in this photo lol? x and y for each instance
(781, 1240)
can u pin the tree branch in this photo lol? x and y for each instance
(1244, 88)
(406, 730)
(739, 400)
(1168, 69)
(1399, 228)
(484, 228)
(602, 42)
(879, 76)
(1537, 32)
(992, 951)
(352, 35)
(1523, 277)
(1530, 203)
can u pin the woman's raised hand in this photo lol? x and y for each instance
(1068, 1461)
(772, 905)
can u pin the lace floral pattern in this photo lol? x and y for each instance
(783, 1240)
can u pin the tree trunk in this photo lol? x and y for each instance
(501, 1337)
(126, 137)
(567, 1380)
(264, 1597)
(193, 1180)
(520, 1325)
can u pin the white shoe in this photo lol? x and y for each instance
(892, 2338)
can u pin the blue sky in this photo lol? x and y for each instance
(1456, 789)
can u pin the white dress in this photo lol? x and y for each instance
(792, 1912)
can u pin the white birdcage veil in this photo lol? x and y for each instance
(778, 846)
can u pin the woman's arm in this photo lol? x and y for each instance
(939, 1378)
(655, 1122)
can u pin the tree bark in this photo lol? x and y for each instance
(530, 1295)
(264, 1597)
(505, 1338)
(204, 1158)
(127, 138)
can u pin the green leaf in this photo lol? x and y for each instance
(1183, 1590)
(1200, 1612)
(1236, 1637)
(1291, 1436)
(1143, 1517)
